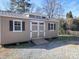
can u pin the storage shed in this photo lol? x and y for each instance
(16, 27)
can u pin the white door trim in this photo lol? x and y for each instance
(38, 22)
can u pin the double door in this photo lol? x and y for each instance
(37, 29)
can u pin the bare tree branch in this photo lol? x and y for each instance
(52, 8)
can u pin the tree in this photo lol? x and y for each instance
(53, 8)
(12, 5)
(33, 7)
(75, 25)
(38, 10)
(69, 15)
(69, 21)
(20, 6)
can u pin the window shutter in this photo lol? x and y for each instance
(48, 26)
(11, 25)
(54, 26)
(23, 26)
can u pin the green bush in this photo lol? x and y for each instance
(62, 31)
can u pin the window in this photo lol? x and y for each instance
(34, 23)
(41, 23)
(17, 25)
(54, 26)
(32, 16)
(48, 26)
(43, 17)
(38, 17)
(51, 26)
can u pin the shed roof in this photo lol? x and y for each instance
(11, 14)
(23, 15)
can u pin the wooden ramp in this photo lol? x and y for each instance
(40, 41)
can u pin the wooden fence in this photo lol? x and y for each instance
(75, 33)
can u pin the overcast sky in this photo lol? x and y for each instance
(68, 5)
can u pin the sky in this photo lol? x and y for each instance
(68, 5)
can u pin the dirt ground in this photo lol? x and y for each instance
(57, 49)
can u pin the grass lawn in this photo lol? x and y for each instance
(64, 38)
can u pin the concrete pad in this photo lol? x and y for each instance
(39, 41)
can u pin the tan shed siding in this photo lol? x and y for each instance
(57, 28)
(51, 33)
(0, 30)
(12, 37)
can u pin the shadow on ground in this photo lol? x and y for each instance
(53, 43)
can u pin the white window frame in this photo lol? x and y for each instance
(53, 27)
(14, 26)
